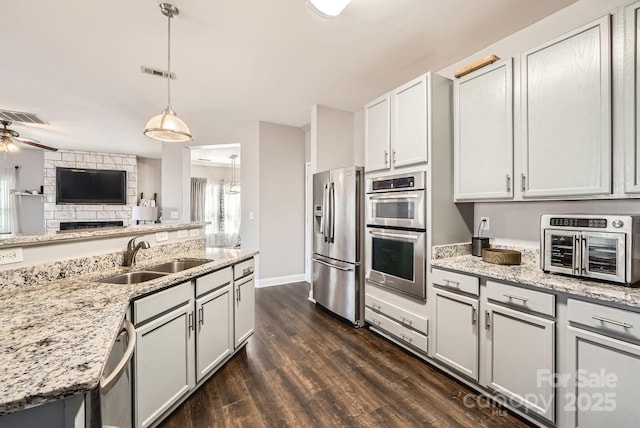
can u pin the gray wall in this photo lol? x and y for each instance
(30, 176)
(282, 177)
(213, 172)
(332, 138)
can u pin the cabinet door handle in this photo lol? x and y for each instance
(474, 316)
(523, 180)
(394, 157)
(513, 297)
(191, 320)
(201, 315)
(508, 183)
(487, 320)
(238, 298)
(386, 158)
(610, 321)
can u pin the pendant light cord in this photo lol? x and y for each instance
(169, 60)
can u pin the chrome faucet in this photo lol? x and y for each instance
(132, 250)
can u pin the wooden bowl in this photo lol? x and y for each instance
(501, 257)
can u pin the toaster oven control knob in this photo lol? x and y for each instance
(617, 224)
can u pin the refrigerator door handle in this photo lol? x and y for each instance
(325, 213)
(332, 266)
(332, 203)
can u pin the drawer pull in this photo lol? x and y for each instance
(450, 283)
(406, 321)
(512, 297)
(607, 320)
(406, 338)
(376, 306)
(376, 321)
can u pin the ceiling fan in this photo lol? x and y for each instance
(9, 138)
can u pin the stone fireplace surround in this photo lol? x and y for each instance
(54, 214)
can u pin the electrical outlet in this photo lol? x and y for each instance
(162, 236)
(194, 232)
(486, 226)
(174, 215)
(183, 233)
(11, 255)
(251, 215)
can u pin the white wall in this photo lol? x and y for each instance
(519, 222)
(150, 178)
(332, 134)
(214, 172)
(29, 176)
(282, 177)
(176, 185)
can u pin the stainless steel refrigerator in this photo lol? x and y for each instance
(337, 278)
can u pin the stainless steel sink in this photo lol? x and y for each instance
(132, 277)
(178, 265)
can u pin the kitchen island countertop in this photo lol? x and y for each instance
(55, 338)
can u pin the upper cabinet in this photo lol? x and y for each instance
(566, 114)
(483, 133)
(377, 118)
(632, 99)
(396, 127)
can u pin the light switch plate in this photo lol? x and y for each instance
(183, 234)
(11, 255)
(162, 236)
(194, 232)
(251, 215)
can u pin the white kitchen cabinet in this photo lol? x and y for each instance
(377, 119)
(244, 313)
(631, 98)
(409, 114)
(603, 360)
(483, 134)
(566, 114)
(214, 341)
(519, 355)
(66, 413)
(397, 126)
(164, 358)
(456, 332)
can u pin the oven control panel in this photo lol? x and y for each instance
(394, 183)
(595, 223)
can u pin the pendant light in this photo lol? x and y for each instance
(329, 8)
(167, 126)
(233, 185)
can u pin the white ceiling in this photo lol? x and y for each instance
(216, 155)
(77, 62)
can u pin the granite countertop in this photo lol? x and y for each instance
(55, 338)
(529, 273)
(84, 234)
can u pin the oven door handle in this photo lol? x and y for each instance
(394, 235)
(403, 196)
(331, 265)
(584, 256)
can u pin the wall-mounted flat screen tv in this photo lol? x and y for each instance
(91, 186)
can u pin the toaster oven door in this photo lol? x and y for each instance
(562, 251)
(603, 256)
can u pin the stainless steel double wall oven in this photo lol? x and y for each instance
(396, 232)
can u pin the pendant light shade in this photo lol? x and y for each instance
(167, 126)
(329, 8)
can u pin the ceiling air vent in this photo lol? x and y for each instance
(21, 117)
(157, 72)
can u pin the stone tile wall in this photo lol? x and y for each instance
(54, 214)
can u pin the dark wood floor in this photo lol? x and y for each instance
(303, 367)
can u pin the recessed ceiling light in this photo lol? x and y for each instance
(329, 8)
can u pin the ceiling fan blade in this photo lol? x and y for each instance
(35, 144)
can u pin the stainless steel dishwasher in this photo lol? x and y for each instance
(111, 401)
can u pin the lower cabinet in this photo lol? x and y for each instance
(455, 331)
(604, 367)
(215, 323)
(245, 302)
(519, 356)
(66, 413)
(164, 362)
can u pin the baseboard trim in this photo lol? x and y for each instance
(279, 280)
